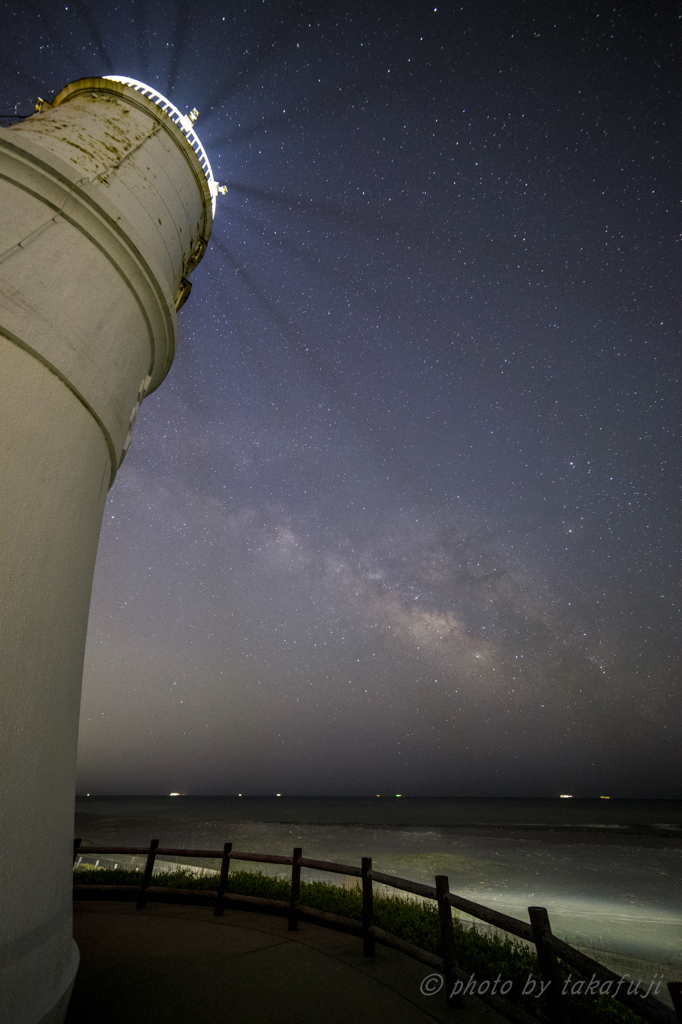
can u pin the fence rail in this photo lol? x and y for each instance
(549, 948)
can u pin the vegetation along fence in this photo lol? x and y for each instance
(550, 949)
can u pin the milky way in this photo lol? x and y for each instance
(404, 516)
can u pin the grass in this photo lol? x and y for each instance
(479, 954)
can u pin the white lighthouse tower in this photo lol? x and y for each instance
(106, 205)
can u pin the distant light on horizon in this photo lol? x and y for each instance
(174, 794)
(565, 796)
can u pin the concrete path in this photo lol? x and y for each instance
(181, 965)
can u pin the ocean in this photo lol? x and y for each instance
(609, 872)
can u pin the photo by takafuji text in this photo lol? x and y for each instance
(536, 987)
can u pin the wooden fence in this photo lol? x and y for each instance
(550, 949)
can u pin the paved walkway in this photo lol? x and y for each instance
(181, 965)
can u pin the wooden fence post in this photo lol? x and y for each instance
(447, 940)
(76, 848)
(147, 877)
(367, 907)
(675, 990)
(222, 884)
(295, 888)
(549, 965)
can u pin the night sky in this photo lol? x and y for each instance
(405, 515)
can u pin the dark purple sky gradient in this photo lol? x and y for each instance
(405, 516)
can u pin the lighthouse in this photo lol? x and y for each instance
(107, 201)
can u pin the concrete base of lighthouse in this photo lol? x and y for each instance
(58, 462)
(57, 1013)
